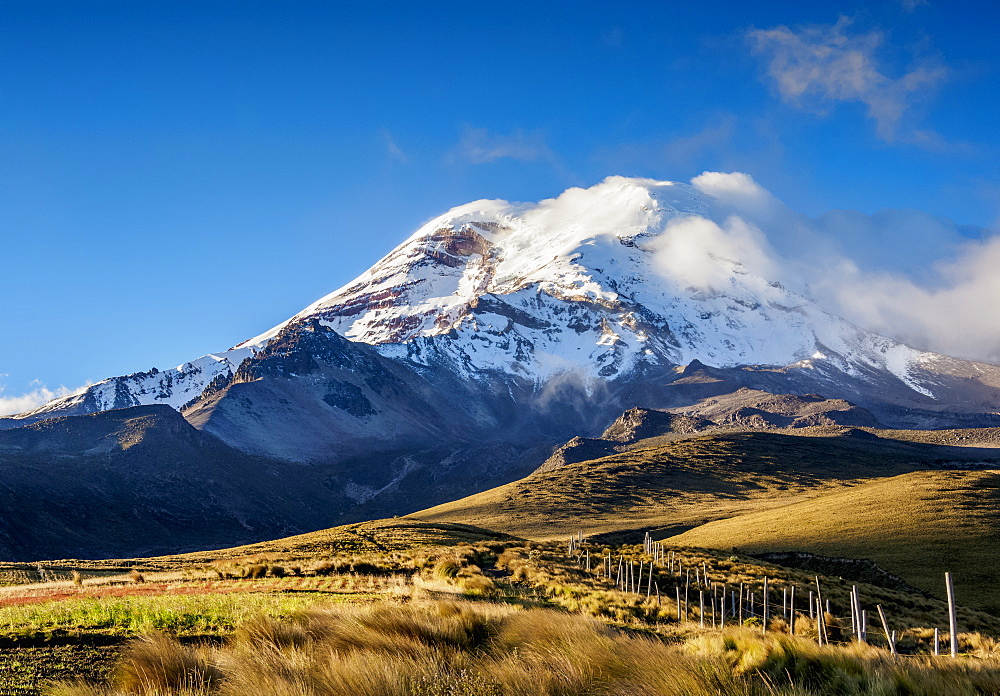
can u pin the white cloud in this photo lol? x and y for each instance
(479, 146)
(391, 147)
(906, 274)
(817, 66)
(39, 395)
(690, 250)
(910, 6)
(955, 311)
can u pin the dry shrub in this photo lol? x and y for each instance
(256, 571)
(136, 577)
(478, 585)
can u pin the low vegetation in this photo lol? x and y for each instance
(489, 617)
(449, 648)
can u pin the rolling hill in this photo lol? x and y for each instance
(680, 484)
(915, 525)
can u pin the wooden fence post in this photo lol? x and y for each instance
(885, 627)
(766, 611)
(791, 612)
(819, 609)
(741, 604)
(952, 620)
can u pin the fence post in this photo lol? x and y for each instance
(766, 611)
(819, 610)
(952, 621)
(885, 627)
(791, 612)
(741, 605)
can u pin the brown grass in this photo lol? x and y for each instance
(458, 649)
(678, 484)
(916, 526)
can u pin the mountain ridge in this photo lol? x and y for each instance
(584, 288)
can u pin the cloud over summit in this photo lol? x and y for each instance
(906, 274)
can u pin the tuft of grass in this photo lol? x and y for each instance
(155, 664)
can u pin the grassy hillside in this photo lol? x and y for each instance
(915, 525)
(377, 536)
(680, 484)
(494, 618)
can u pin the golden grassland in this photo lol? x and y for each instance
(447, 648)
(364, 537)
(678, 484)
(491, 617)
(915, 525)
(437, 604)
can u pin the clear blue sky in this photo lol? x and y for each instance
(178, 176)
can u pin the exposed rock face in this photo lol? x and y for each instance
(579, 449)
(753, 408)
(639, 423)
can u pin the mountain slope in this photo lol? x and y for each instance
(687, 482)
(465, 356)
(916, 525)
(142, 478)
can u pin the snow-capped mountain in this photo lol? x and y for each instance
(616, 284)
(579, 284)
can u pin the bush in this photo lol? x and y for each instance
(256, 571)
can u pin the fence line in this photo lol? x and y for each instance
(666, 565)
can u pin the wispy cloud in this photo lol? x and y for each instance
(479, 146)
(391, 147)
(38, 395)
(817, 66)
(679, 152)
(912, 5)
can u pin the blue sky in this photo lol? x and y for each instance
(178, 176)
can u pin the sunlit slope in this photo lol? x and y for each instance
(916, 525)
(681, 484)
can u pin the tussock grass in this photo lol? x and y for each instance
(458, 649)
